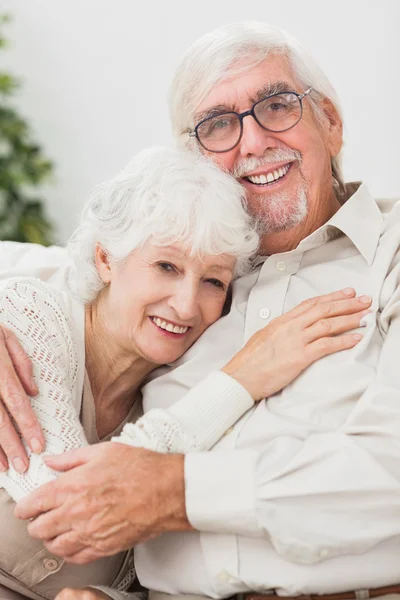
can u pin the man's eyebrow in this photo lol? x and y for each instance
(275, 87)
(213, 111)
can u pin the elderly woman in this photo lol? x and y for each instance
(155, 254)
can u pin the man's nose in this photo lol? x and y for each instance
(255, 140)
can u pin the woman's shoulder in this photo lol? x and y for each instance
(43, 315)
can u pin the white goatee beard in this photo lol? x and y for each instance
(277, 213)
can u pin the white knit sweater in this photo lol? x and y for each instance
(50, 326)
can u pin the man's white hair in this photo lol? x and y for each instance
(230, 50)
(164, 196)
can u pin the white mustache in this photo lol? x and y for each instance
(246, 165)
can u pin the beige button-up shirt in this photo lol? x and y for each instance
(303, 495)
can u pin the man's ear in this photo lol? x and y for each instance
(102, 264)
(334, 127)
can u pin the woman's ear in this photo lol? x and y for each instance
(334, 127)
(102, 264)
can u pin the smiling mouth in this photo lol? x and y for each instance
(170, 327)
(269, 177)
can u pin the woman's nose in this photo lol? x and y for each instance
(185, 302)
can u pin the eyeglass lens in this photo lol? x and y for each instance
(276, 113)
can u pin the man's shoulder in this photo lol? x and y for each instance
(17, 255)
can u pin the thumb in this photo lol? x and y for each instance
(69, 460)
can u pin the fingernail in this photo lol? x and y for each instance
(36, 445)
(348, 291)
(365, 299)
(357, 337)
(19, 465)
(363, 321)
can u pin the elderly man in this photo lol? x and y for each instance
(302, 496)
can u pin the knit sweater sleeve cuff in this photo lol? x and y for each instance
(211, 407)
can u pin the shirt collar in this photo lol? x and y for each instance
(359, 218)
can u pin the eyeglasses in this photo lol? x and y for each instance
(277, 113)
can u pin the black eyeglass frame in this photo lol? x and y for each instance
(246, 113)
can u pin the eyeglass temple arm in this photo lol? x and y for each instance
(305, 93)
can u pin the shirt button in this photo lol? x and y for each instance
(324, 553)
(50, 564)
(264, 313)
(280, 265)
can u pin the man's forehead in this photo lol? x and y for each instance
(240, 90)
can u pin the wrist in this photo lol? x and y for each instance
(171, 493)
(237, 373)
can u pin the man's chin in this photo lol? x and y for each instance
(278, 215)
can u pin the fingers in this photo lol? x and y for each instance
(305, 306)
(18, 405)
(21, 361)
(327, 310)
(68, 545)
(3, 462)
(49, 525)
(329, 345)
(12, 447)
(80, 594)
(333, 326)
(45, 498)
(69, 460)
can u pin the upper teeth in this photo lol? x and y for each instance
(169, 326)
(272, 176)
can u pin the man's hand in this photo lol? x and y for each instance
(113, 497)
(81, 594)
(16, 385)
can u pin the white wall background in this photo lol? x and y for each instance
(96, 75)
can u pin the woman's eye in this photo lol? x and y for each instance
(216, 283)
(164, 266)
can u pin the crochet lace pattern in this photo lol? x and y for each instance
(34, 313)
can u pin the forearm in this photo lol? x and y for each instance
(170, 496)
(194, 423)
(326, 496)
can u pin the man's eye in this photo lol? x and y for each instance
(221, 123)
(278, 107)
(218, 124)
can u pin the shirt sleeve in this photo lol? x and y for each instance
(340, 492)
(35, 313)
(194, 423)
